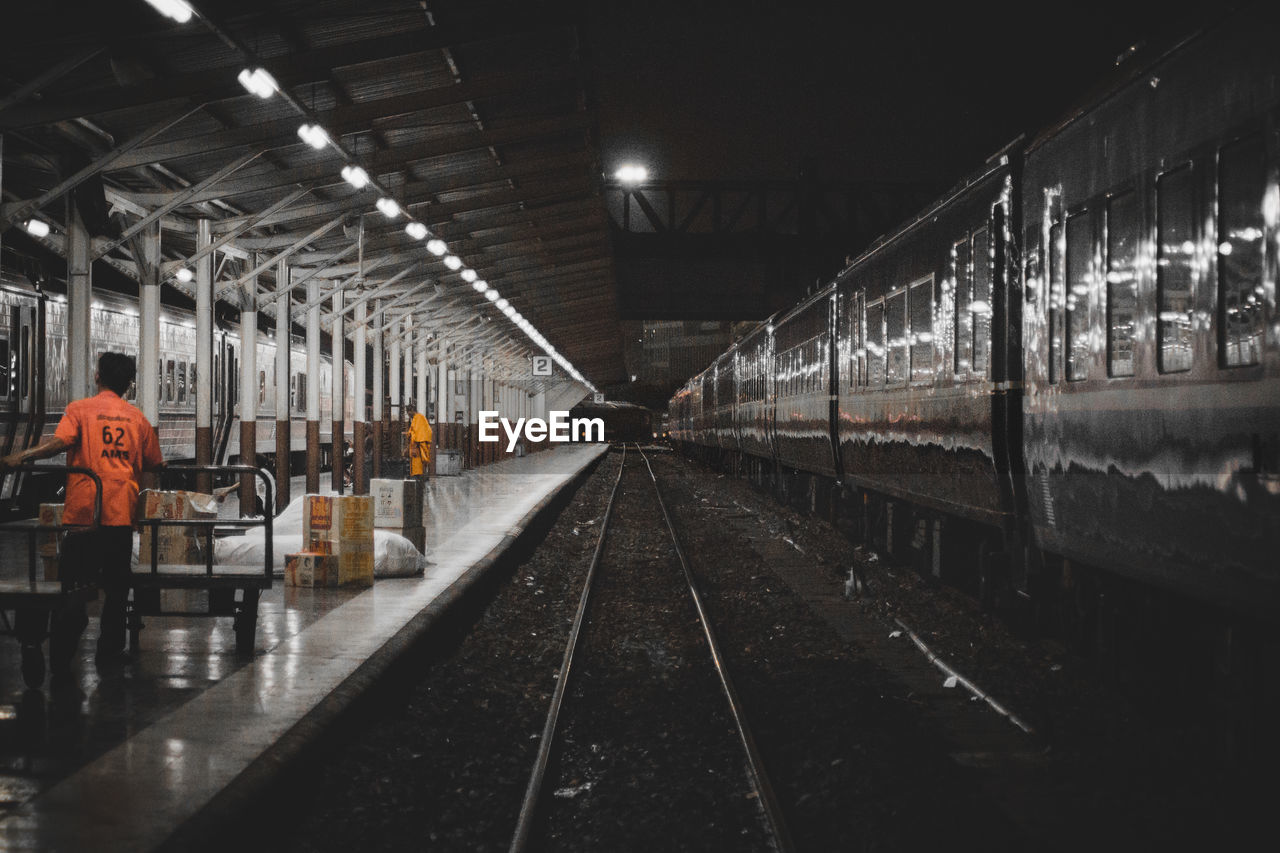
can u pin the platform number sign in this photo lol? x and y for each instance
(599, 397)
(542, 365)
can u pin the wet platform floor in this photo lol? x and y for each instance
(117, 760)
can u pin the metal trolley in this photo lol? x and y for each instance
(221, 582)
(33, 601)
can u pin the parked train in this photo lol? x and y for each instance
(34, 379)
(1068, 368)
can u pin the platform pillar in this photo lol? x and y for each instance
(338, 398)
(284, 425)
(80, 365)
(378, 367)
(146, 249)
(204, 377)
(313, 386)
(359, 405)
(249, 391)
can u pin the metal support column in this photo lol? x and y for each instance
(249, 392)
(313, 386)
(338, 399)
(79, 300)
(379, 367)
(407, 389)
(360, 408)
(146, 248)
(284, 424)
(204, 378)
(421, 351)
(393, 377)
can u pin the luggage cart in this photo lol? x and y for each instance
(34, 601)
(221, 582)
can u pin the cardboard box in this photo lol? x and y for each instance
(396, 503)
(345, 522)
(50, 568)
(355, 567)
(176, 545)
(47, 541)
(309, 569)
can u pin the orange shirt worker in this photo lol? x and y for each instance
(115, 440)
(419, 433)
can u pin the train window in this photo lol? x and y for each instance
(895, 335)
(1123, 232)
(857, 351)
(875, 344)
(1242, 180)
(962, 274)
(1175, 268)
(11, 372)
(5, 369)
(262, 387)
(302, 392)
(170, 379)
(1079, 251)
(1056, 275)
(980, 307)
(24, 363)
(182, 382)
(191, 380)
(217, 383)
(920, 304)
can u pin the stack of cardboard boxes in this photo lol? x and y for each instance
(174, 544)
(397, 507)
(337, 535)
(47, 541)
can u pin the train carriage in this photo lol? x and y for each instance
(1152, 411)
(924, 368)
(803, 386)
(754, 416)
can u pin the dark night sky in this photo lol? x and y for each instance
(912, 93)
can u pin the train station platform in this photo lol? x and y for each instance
(121, 761)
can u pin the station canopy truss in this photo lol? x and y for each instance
(476, 118)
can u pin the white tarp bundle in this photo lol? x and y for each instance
(393, 555)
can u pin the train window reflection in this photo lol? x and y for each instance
(1079, 250)
(1057, 300)
(1175, 270)
(1123, 229)
(875, 344)
(1242, 180)
(895, 333)
(182, 382)
(169, 381)
(980, 307)
(962, 273)
(24, 362)
(6, 369)
(920, 304)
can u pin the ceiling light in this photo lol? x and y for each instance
(37, 227)
(314, 135)
(178, 10)
(416, 230)
(508, 310)
(185, 274)
(258, 81)
(388, 207)
(630, 173)
(502, 303)
(453, 262)
(468, 275)
(480, 285)
(356, 176)
(437, 247)
(491, 295)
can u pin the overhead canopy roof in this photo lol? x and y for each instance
(474, 116)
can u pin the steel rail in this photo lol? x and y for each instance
(764, 789)
(533, 793)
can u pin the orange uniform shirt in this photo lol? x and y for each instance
(115, 441)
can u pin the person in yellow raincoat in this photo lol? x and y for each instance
(419, 433)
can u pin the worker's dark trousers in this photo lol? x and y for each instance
(90, 557)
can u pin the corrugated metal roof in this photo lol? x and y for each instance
(470, 112)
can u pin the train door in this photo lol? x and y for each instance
(24, 389)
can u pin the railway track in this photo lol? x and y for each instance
(616, 713)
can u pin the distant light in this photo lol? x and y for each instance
(185, 274)
(509, 311)
(480, 285)
(491, 295)
(356, 176)
(631, 173)
(37, 227)
(314, 135)
(453, 262)
(437, 247)
(388, 207)
(178, 10)
(416, 230)
(258, 81)
(501, 303)
(468, 275)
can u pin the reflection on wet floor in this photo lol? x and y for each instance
(192, 713)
